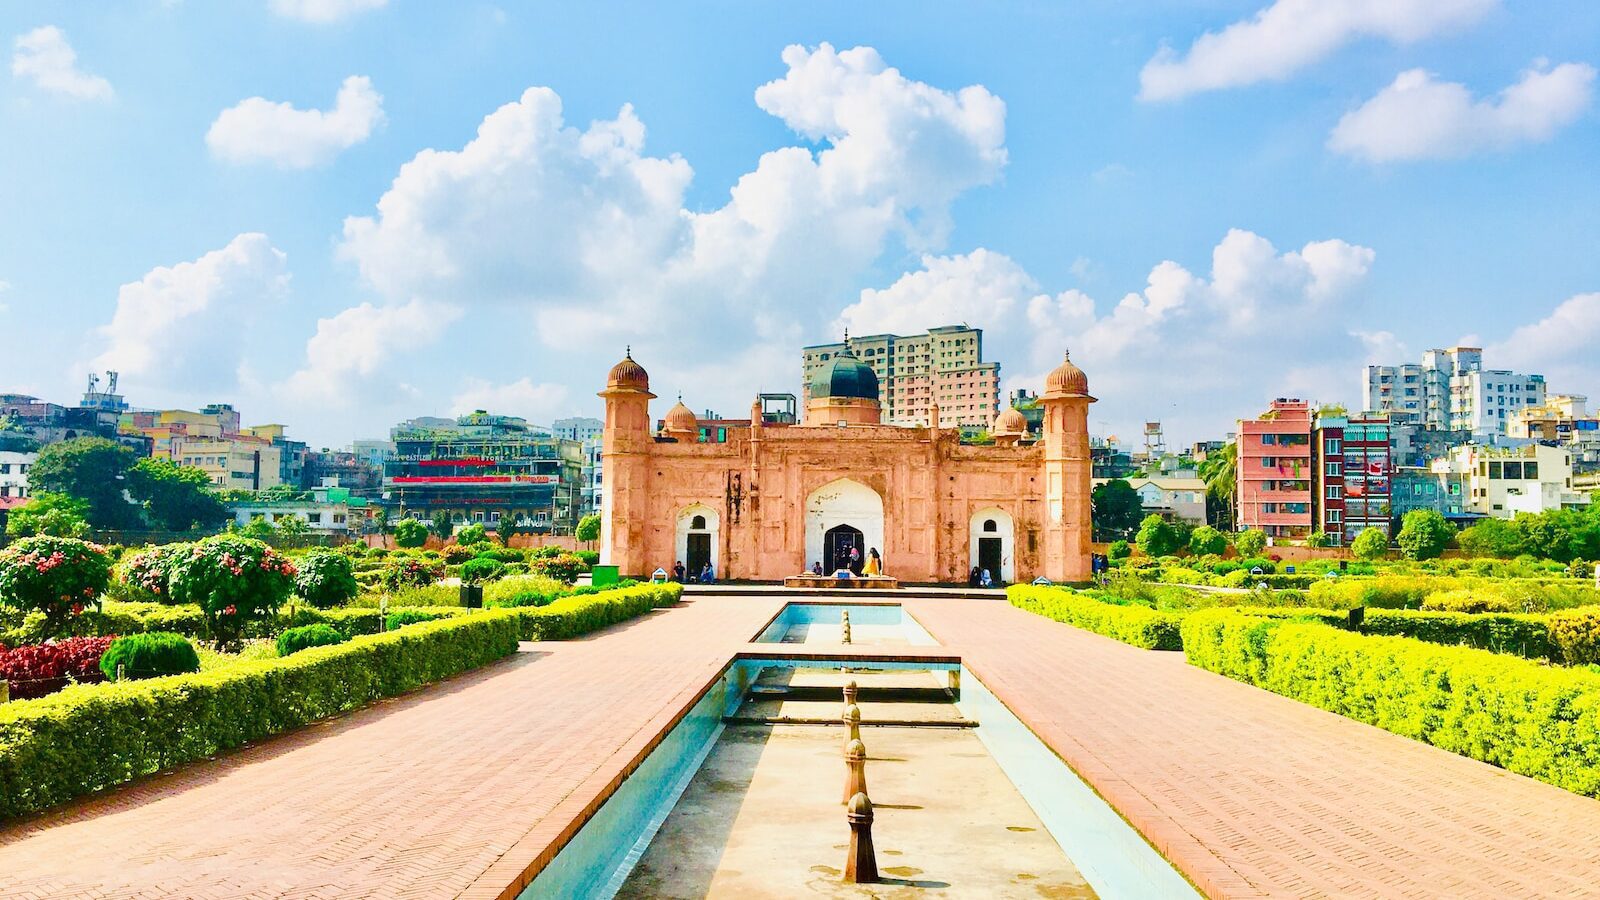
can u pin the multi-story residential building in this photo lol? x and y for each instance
(593, 475)
(48, 423)
(577, 428)
(1274, 471)
(485, 468)
(326, 509)
(1564, 420)
(1179, 499)
(1422, 488)
(14, 466)
(1354, 466)
(291, 453)
(1107, 460)
(345, 468)
(943, 367)
(239, 463)
(373, 452)
(1415, 444)
(1504, 481)
(1452, 391)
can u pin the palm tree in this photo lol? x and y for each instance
(1217, 470)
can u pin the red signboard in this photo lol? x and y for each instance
(476, 479)
(468, 461)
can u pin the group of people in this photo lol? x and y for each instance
(980, 577)
(851, 564)
(681, 575)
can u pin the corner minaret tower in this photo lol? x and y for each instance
(625, 458)
(1066, 473)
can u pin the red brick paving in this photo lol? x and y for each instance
(1256, 795)
(459, 789)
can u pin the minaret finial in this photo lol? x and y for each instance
(1066, 355)
(628, 353)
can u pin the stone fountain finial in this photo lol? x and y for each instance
(861, 865)
(855, 770)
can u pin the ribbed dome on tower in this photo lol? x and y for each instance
(681, 418)
(1067, 380)
(845, 376)
(1010, 421)
(628, 375)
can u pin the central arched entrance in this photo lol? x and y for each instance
(837, 544)
(842, 514)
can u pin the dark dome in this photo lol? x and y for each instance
(846, 376)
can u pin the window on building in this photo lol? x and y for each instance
(1331, 445)
(1334, 492)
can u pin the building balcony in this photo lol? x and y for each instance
(1292, 520)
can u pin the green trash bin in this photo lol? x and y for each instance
(600, 576)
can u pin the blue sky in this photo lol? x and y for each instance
(1285, 192)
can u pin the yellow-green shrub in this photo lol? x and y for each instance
(1532, 719)
(573, 616)
(1133, 624)
(1576, 635)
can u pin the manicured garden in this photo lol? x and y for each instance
(1440, 658)
(121, 664)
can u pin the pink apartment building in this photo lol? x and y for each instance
(1274, 473)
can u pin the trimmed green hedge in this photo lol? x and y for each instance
(1140, 626)
(573, 616)
(1514, 633)
(91, 737)
(1532, 719)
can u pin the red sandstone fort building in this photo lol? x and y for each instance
(774, 499)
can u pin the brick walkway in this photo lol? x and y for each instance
(456, 789)
(415, 797)
(1252, 794)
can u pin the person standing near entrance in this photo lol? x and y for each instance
(855, 559)
(874, 563)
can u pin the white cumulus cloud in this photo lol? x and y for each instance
(1559, 346)
(1292, 34)
(190, 323)
(322, 12)
(1420, 117)
(539, 402)
(560, 230)
(257, 130)
(343, 358)
(981, 286)
(44, 56)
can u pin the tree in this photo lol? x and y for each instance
(588, 529)
(326, 579)
(258, 528)
(1119, 549)
(1217, 470)
(1554, 534)
(1250, 542)
(290, 525)
(93, 470)
(55, 576)
(1206, 540)
(56, 515)
(472, 534)
(1156, 536)
(442, 527)
(380, 520)
(177, 498)
(1319, 538)
(1424, 533)
(410, 533)
(1491, 537)
(1114, 509)
(1371, 543)
(235, 582)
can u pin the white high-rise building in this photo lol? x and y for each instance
(1452, 391)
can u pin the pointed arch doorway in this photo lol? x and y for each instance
(841, 514)
(838, 542)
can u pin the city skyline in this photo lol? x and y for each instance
(344, 244)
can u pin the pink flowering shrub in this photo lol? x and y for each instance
(53, 575)
(39, 669)
(143, 574)
(235, 581)
(411, 571)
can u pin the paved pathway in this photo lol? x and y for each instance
(1253, 794)
(457, 789)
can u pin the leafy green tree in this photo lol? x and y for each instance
(1319, 538)
(1156, 536)
(380, 520)
(235, 582)
(1206, 540)
(326, 579)
(1424, 534)
(258, 528)
(93, 470)
(1114, 509)
(1217, 470)
(291, 526)
(443, 527)
(56, 515)
(1250, 542)
(472, 534)
(1119, 549)
(1371, 543)
(410, 533)
(1554, 534)
(175, 497)
(1491, 537)
(588, 529)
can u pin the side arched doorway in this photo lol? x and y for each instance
(697, 543)
(843, 514)
(993, 544)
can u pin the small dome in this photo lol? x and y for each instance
(1010, 421)
(681, 418)
(628, 374)
(845, 376)
(1067, 380)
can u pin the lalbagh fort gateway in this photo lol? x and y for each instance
(776, 499)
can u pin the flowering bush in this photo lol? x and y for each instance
(235, 581)
(411, 571)
(326, 579)
(562, 567)
(53, 575)
(40, 669)
(142, 575)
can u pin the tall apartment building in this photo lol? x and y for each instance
(1563, 420)
(1354, 469)
(1274, 470)
(1452, 391)
(944, 366)
(1502, 482)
